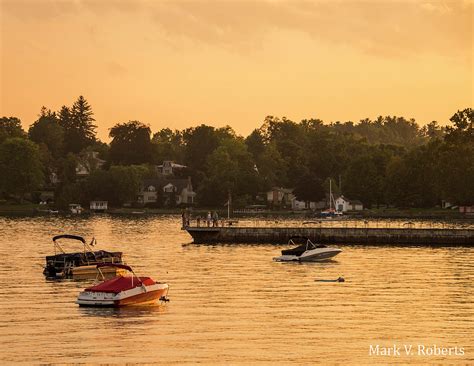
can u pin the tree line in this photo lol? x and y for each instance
(386, 161)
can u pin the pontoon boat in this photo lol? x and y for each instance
(77, 265)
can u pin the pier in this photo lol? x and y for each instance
(335, 235)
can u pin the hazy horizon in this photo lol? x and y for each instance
(180, 64)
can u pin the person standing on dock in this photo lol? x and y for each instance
(215, 219)
(209, 218)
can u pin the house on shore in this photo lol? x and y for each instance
(167, 191)
(87, 163)
(98, 206)
(280, 197)
(467, 210)
(344, 204)
(284, 198)
(169, 168)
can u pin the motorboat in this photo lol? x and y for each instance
(123, 290)
(79, 265)
(306, 252)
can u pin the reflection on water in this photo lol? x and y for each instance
(231, 304)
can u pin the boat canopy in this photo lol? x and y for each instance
(119, 284)
(67, 236)
(305, 244)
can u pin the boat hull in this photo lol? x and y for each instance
(141, 295)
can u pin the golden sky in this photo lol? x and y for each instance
(181, 63)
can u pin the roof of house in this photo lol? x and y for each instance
(179, 183)
(173, 165)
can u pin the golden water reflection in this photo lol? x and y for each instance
(231, 304)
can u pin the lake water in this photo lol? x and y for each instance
(231, 304)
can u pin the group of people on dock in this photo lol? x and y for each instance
(210, 220)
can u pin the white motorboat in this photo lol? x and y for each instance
(123, 290)
(306, 252)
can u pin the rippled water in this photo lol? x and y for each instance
(231, 304)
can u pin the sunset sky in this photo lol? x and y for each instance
(182, 63)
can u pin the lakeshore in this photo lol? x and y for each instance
(29, 209)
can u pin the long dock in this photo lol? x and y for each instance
(335, 235)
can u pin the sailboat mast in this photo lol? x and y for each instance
(330, 195)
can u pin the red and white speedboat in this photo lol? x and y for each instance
(123, 290)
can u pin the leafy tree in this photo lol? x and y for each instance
(168, 145)
(272, 168)
(117, 185)
(47, 130)
(255, 144)
(309, 188)
(10, 127)
(131, 143)
(78, 124)
(20, 166)
(230, 168)
(433, 130)
(290, 140)
(411, 179)
(463, 130)
(200, 142)
(71, 192)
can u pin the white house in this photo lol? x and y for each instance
(169, 167)
(302, 205)
(98, 206)
(88, 162)
(344, 204)
(180, 189)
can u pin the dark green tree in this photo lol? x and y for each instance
(20, 166)
(131, 143)
(47, 130)
(309, 188)
(118, 185)
(230, 168)
(200, 142)
(463, 130)
(168, 145)
(10, 127)
(78, 124)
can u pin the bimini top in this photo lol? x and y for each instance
(119, 284)
(67, 236)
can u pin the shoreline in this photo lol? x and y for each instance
(412, 213)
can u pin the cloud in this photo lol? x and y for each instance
(382, 28)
